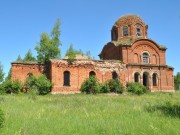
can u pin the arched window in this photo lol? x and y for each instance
(155, 79)
(136, 77)
(145, 58)
(125, 31)
(138, 30)
(92, 73)
(66, 78)
(114, 75)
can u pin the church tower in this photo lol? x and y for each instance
(145, 59)
(128, 28)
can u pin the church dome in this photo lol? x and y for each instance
(128, 27)
(128, 20)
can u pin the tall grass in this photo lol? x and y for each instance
(81, 114)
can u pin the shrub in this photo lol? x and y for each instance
(115, 86)
(16, 86)
(136, 88)
(43, 85)
(90, 85)
(40, 85)
(30, 82)
(6, 87)
(1, 118)
(9, 86)
(104, 88)
(1, 89)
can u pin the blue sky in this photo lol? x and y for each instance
(84, 23)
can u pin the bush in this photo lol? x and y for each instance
(30, 82)
(1, 89)
(136, 88)
(43, 85)
(90, 85)
(9, 86)
(40, 85)
(1, 118)
(104, 88)
(115, 86)
(6, 87)
(16, 86)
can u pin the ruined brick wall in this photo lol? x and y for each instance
(79, 71)
(22, 70)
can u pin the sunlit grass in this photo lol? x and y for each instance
(81, 114)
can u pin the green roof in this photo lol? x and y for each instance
(131, 41)
(126, 42)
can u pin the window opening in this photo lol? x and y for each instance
(66, 78)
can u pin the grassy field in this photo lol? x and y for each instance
(79, 114)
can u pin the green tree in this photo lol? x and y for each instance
(5, 87)
(1, 73)
(9, 75)
(29, 57)
(48, 47)
(71, 53)
(177, 81)
(19, 59)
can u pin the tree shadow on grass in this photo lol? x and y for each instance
(168, 109)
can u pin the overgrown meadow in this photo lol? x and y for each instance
(81, 114)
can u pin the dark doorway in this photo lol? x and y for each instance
(92, 73)
(66, 78)
(136, 77)
(114, 75)
(146, 79)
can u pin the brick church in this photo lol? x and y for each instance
(130, 56)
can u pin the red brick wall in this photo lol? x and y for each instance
(78, 73)
(103, 69)
(127, 54)
(111, 52)
(21, 70)
(143, 45)
(165, 76)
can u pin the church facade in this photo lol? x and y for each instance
(130, 56)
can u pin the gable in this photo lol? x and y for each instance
(155, 52)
